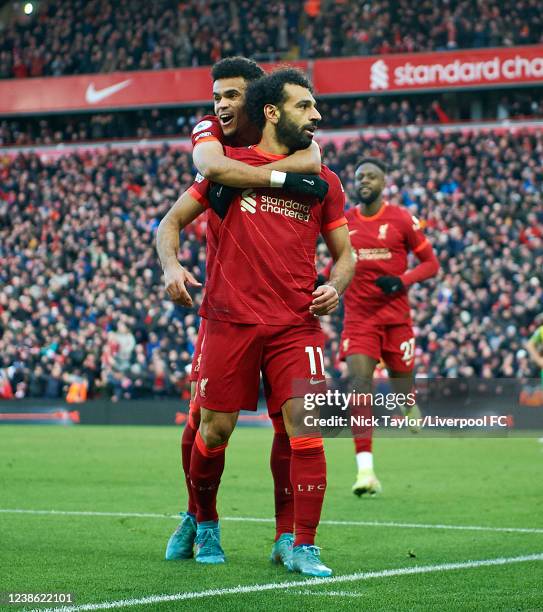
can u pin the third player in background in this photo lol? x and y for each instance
(377, 323)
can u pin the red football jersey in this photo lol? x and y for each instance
(209, 128)
(380, 244)
(264, 271)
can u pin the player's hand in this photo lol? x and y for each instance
(389, 284)
(220, 197)
(175, 279)
(306, 184)
(325, 300)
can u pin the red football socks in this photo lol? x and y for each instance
(187, 440)
(363, 432)
(280, 468)
(206, 468)
(308, 477)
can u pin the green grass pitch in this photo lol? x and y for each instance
(452, 481)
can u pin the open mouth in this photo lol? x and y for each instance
(310, 130)
(226, 119)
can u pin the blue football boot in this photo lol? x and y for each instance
(282, 549)
(181, 542)
(208, 543)
(306, 560)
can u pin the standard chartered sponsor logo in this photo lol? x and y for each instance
(287, 208)
(379, 75)
(269, 204)
(248, 202)
(373, 254)
(458, 71)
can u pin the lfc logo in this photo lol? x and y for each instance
(203, 385)
(382, 231)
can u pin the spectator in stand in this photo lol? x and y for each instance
(78, 37)
(155, 123)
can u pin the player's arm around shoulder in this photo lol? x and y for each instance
(215, 164)
(303, 161)
(183, 212)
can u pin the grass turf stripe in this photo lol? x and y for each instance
(274, 586)
(249, 519)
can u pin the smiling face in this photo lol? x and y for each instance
(297, 117)
(369, 182)
(229, 104)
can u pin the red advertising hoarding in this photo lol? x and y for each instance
(116, 90)
(424, 71)
(363, 75)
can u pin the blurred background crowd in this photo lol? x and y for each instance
(82, 306)
(337, 114)
(80, 36)
(83, 297)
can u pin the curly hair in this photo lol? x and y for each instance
(375, 161)
(232, 67)
(270, 89)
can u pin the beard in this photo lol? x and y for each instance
(291, 135)
(369, 196)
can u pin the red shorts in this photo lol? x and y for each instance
(197, 357)
(234, 355)
(394, 344)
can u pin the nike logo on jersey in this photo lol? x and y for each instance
(312, 381)
(308, 181)
(93, 95)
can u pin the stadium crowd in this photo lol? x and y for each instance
(337, 114)
(80, 37)
(83, 296)
(179, 122)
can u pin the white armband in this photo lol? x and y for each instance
(277, 179)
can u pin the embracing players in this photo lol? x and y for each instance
(229, 126)
(377, 321)
(261, 311)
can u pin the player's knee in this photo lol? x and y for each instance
(215, 428)
(213, 435)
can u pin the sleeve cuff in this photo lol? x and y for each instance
(206, 139)
(199, 197)
(334, 224)
(421, 246)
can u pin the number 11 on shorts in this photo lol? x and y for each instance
(310, 350)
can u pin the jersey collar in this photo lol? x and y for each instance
(267, 154)
(373, 217)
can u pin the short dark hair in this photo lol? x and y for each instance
(375, 161)
(232, 67)
(270, 89)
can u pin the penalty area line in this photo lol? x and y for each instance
(309, 582)
(251, 519)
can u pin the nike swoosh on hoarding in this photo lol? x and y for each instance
(93, 95)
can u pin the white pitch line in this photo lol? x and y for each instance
(274, 586)
(251, 519)
(330, 593)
